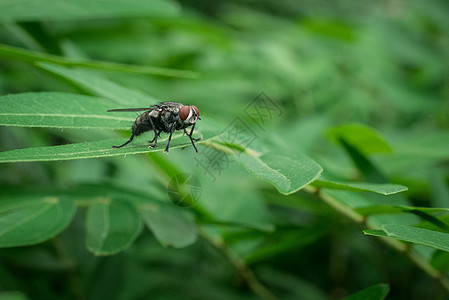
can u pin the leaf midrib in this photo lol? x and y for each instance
(25, 220)
(68, 116)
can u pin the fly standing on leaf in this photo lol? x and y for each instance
(164, 117)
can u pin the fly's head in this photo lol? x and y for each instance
(189, 114)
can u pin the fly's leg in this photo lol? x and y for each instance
(169, 138)
(132, 135)
(156, 134)
(129, 141)
(191, 138)
(191, 132)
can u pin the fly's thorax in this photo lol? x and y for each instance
(153, 113)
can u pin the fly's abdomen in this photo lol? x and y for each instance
(142, 124)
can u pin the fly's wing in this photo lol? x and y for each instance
(130, 109)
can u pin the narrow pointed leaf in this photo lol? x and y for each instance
(380, 188)
(100, 86)
(60, 110)
(375, 232)
(98, 149)
(423, 212)
(30, 220)
(56, 10)
(415, 235)
(287, 174)
(112, 226)
(32, 57)
(396, 209)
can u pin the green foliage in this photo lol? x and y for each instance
(111, 225)
(426, 237)
(28, 219)
(380, 188)
(287, 174)
(375, 292)
(53, 10)
(59, 110)
(365, 139)
(355, 141)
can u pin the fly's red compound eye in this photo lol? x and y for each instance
(184, 112)
(196, 110)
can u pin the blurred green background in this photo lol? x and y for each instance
(382, 64)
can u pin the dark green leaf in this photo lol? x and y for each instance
(369, 170)
(286, 240)
(12, 296)
(375, 292)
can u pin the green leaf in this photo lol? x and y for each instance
(172, 226)
(100, 86)
(362, 137)
(60, 110)
(56, 10)
(369, 170)
(99, 148)
(13, 295)
(395, 209)
(415, 235)
(375, 292)
(112, 226)
(376, 232)
(287, 174)
(32, 57)
(27, 220)
(380, 188)
(422, 212)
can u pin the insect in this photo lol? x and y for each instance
(163, 117)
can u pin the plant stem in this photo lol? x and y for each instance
(244, 271)
(417, 259)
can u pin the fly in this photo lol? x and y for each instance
(163, 117)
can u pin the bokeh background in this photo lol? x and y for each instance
(379, 64)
